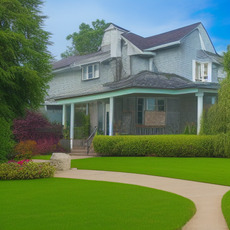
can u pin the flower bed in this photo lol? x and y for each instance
(25, 169)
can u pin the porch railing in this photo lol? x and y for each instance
(150, 130)
(90, 139)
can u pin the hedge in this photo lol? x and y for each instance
(157, 145)
(25, 170)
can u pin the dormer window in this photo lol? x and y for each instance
(90, 72)
(202, 71)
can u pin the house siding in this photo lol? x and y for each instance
(139, 64)
(178, 60)
(208, 44)
(71, 82)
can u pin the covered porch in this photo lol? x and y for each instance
(137, 111)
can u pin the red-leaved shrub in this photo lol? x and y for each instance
(36, 127)
(25, 149)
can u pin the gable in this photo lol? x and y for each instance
(154, 42)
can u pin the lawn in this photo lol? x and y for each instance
(226, 207)
(42, 157)
(79, 204)
(210, 170)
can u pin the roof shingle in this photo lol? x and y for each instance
(160, 39)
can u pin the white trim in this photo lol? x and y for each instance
(139, 51)
(150, 64)
(86, 67)
(194, 63)
(199, 110)
(163, 46)
(63, 115)
(111, 107)
(202, 42)
(71, 125)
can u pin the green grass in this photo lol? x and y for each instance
(210, 170)
(226, 207)
(42, 157)
(59, 204)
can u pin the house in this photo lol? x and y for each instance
(137, 85)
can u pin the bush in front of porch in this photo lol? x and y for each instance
(157, 145)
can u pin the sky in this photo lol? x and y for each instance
(143, 17)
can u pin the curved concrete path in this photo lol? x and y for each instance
(207, 197)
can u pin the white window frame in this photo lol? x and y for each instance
(203, 77)
(86, 73)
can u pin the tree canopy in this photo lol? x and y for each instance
(87, 40)
(25, 63)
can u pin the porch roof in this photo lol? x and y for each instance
(145, 82)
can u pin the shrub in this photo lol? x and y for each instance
(157, 145)
(24, 170)
(190, 129)
(25, 149)
(222, 145)
(6, 139)
(36, 127)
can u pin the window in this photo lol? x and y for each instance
(202, 71)
(90, 72)
(148, 105)
(155, 104)
(140, 110)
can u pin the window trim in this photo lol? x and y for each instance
(209, 74)
(95, 74)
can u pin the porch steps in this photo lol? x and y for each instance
(81, 151)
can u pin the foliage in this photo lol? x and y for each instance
(225, 205)
(25, 170)
(217, 119)
(83, 125)
(87, 40)
(222, 145)
(42, 157)
(25, 64)
(157, 145)
(190, 129)
(46, 146)
(52, 204)
(25, 149)
(6, 141)
(36, 127)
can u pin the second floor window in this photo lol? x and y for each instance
(202, 71)
(90, 72)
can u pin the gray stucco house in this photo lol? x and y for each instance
(137, 85)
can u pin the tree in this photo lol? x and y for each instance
(217, 119)
(6, 140)
(25, 63)
(87, 40)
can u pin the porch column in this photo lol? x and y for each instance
(71, 126)
(111, 107)
(87, 109)
(199, 109)
(64, 115)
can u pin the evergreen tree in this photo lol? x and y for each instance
(25, 63)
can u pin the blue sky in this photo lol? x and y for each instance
(143, 17)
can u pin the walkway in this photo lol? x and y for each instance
(207, 197)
